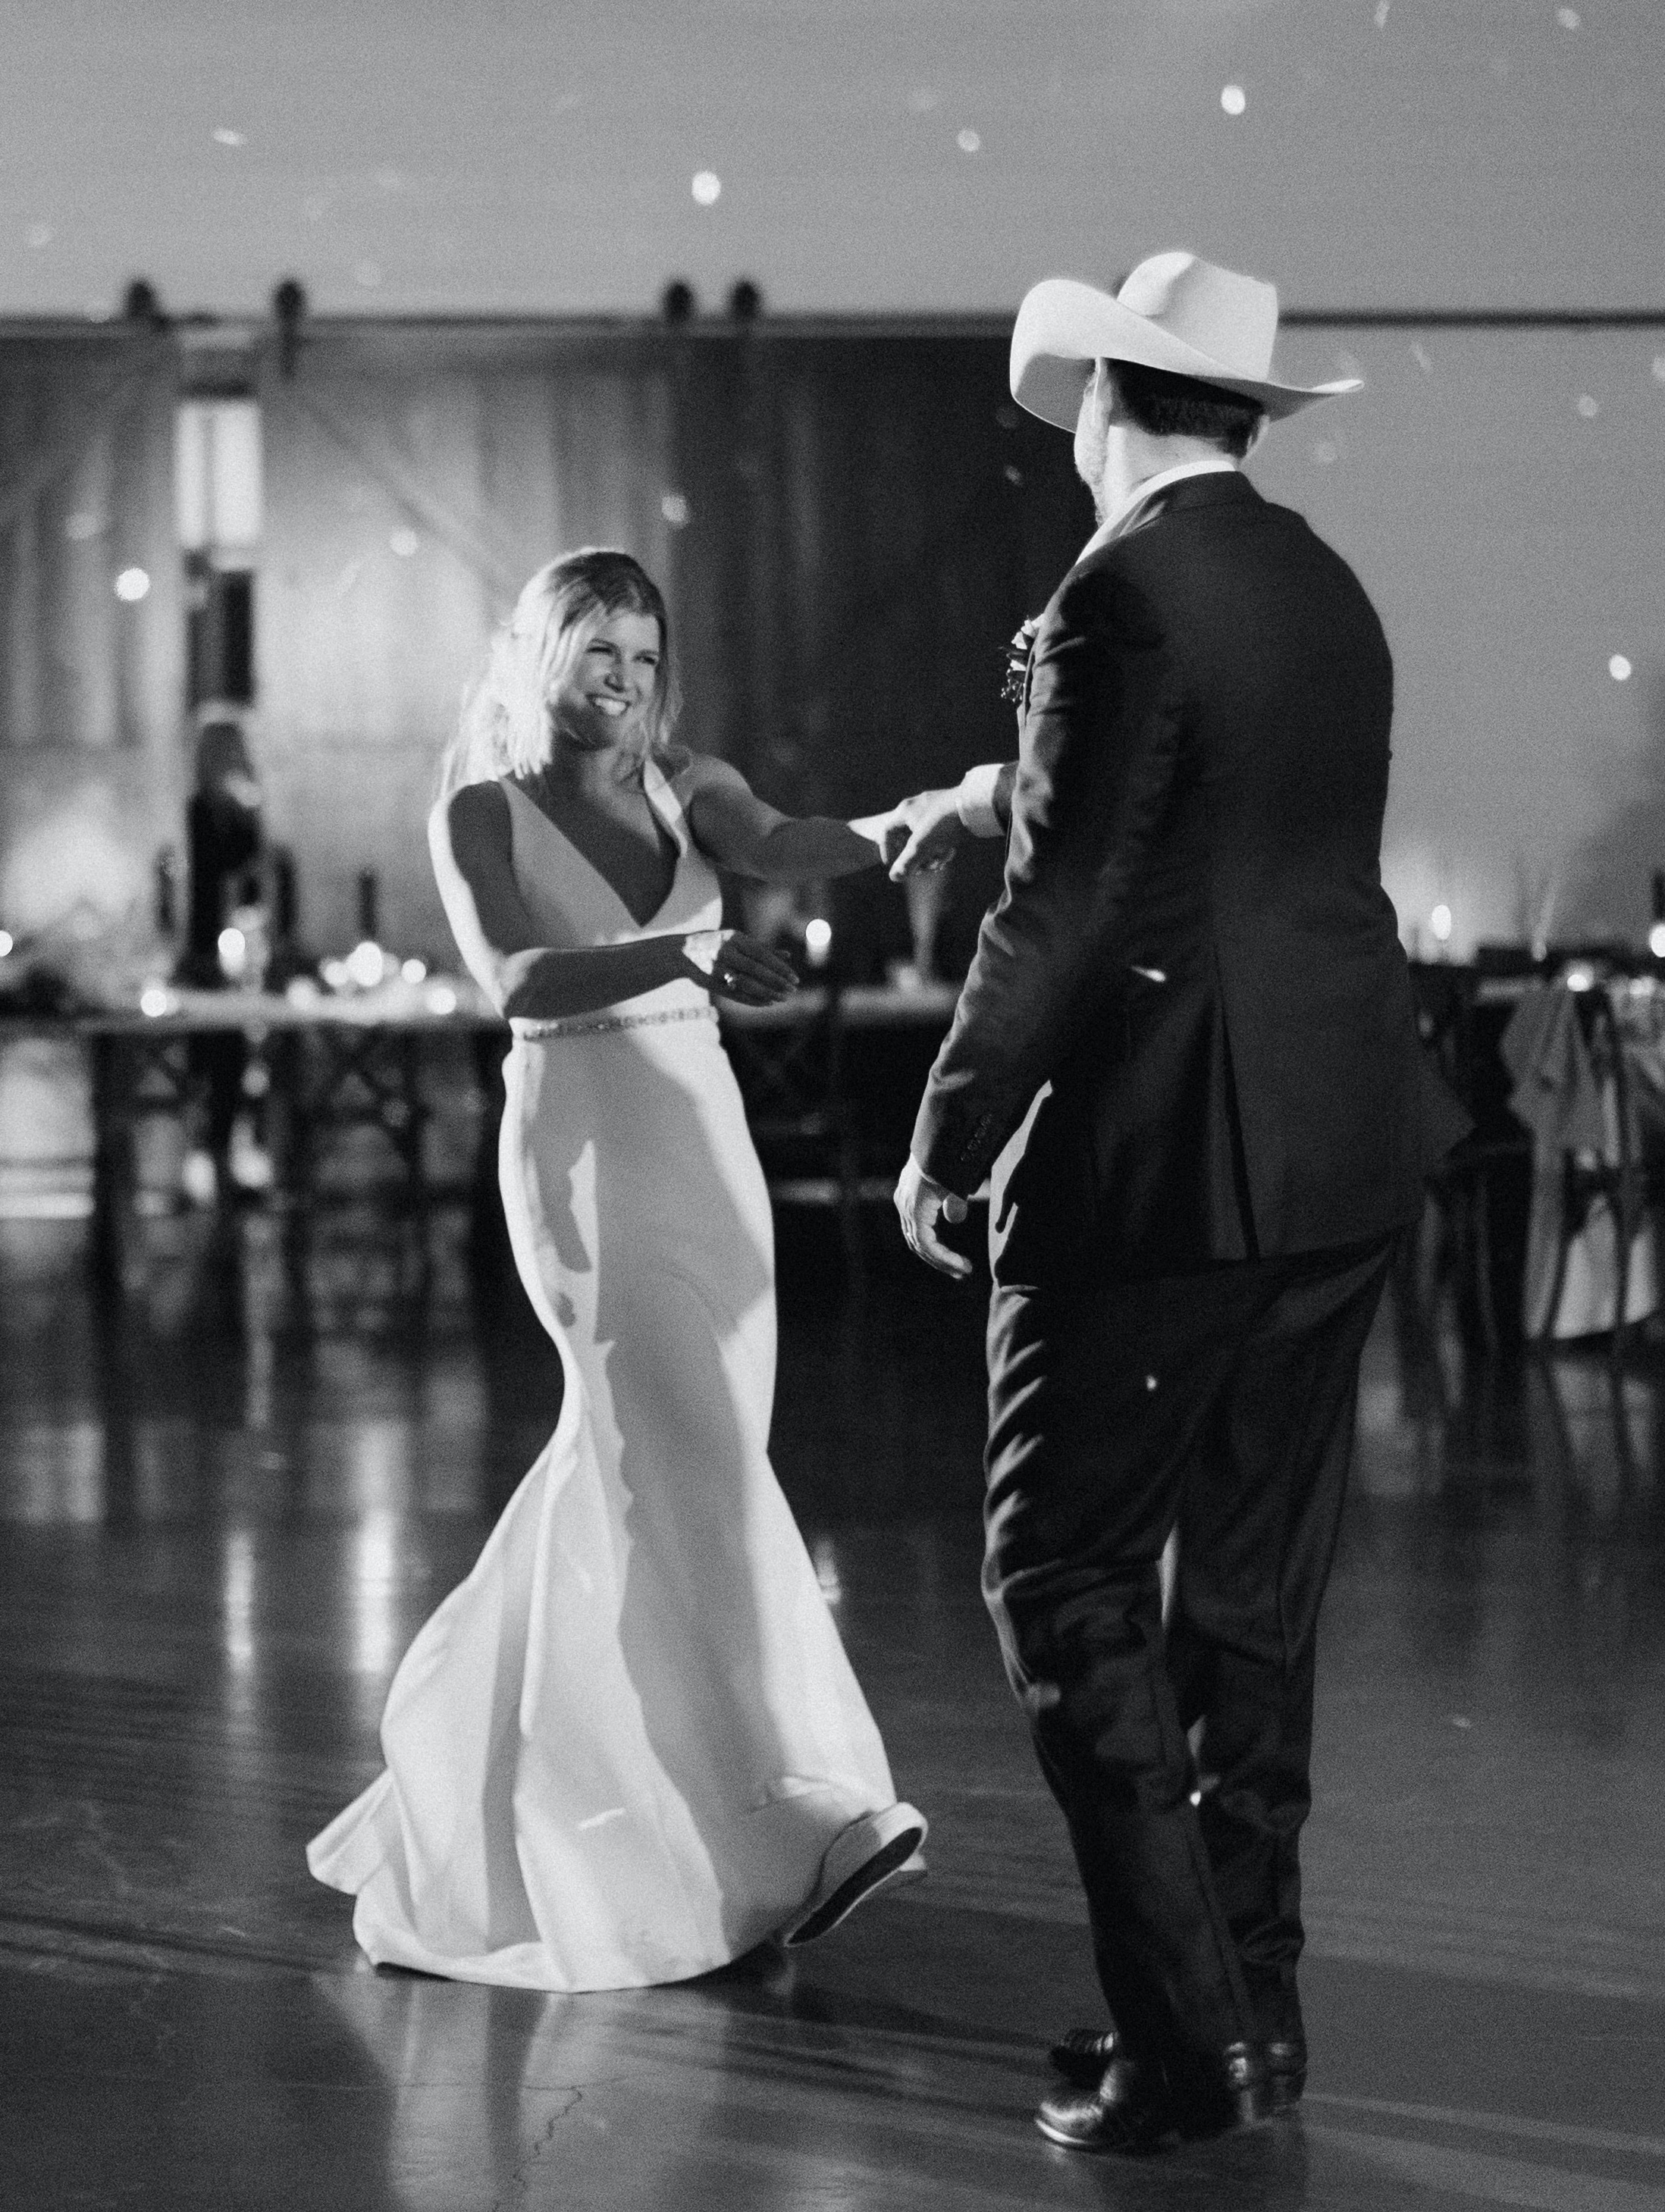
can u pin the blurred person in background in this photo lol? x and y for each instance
(224, 845)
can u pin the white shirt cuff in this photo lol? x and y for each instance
(973, 800)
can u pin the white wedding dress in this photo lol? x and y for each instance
(619, 1751)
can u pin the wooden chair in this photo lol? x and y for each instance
(1619, 1176)
(1463, 1185)
(788, 1061)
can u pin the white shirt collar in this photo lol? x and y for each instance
(1117, 520)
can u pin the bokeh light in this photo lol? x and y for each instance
(1440, 923)
(675, 509)
(155, 999)
(1234, 100)
(817, 941)
(406, 543)
(367, 964)
(1620, 668)
(131, 586)
(224, 136)
(1657, 941)
(413, 970)
(234, 952)
(74, 867)
(707, 187)
(1588, 407)
(969, 142)
(7, 942)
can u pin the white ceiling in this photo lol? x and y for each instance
(536, 156)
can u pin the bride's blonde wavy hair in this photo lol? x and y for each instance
(504, 728)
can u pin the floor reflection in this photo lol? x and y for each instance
(229, 1498)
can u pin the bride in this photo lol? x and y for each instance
(629, 1747)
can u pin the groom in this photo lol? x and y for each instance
(1187, 1051)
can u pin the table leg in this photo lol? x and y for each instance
(412, 1139)
(413, 1129)
(113, 1161)
(295, 1173)
(487, 1235)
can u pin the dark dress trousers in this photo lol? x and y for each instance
(1187, 1050)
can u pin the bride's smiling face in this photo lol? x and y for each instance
(602, 703)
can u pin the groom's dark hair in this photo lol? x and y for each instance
(1168, 406)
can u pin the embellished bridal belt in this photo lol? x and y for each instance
(601, 1025)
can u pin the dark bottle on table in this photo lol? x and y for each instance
(166, 885)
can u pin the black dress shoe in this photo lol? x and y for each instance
(1135, 2109)
(1286, 2071)
(1210, 2096)
(1127, 2112)
(1081, 2054)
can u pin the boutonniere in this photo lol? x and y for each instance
(1017, 661)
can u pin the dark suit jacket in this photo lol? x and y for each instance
(1189, 1029)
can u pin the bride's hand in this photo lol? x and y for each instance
(731, 965)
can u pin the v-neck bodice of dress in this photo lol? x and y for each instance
(574, 907)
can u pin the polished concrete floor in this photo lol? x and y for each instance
(227, 1499)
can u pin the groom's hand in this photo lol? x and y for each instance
(927, 832)
(921, 1204)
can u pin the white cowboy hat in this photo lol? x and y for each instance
(1175, 313)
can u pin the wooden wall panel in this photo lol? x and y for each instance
(92, 744)
(846, 529)
(889, 520)
(86, 450)
(410, 490)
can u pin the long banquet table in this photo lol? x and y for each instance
(331, 1061)
(334, 1060)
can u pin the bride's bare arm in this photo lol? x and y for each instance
(469, 836)
(739, 830)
